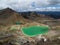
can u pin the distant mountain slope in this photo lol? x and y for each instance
(54, 14)
(5, 13)
(9, 16)
(34, 15)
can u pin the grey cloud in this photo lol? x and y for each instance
(53, 2)
(27, 4)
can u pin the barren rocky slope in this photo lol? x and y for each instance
(9, 18)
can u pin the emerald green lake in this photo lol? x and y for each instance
(35, 30)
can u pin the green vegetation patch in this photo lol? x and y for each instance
(35, 30)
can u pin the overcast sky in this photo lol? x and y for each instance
(32, 5)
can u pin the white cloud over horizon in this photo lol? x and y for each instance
(25, 5)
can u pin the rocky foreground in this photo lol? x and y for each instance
(11, 36)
